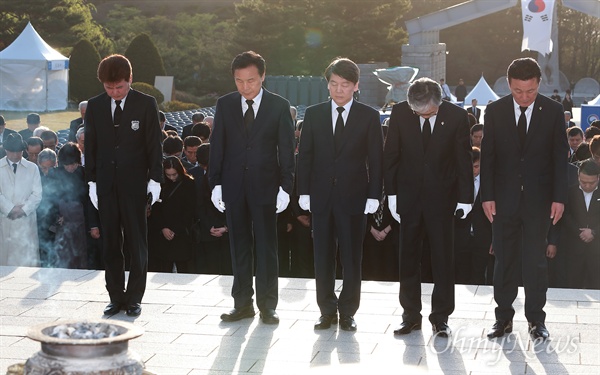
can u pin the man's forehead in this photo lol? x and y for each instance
(115, 84)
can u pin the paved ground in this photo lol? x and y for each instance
(184, 335)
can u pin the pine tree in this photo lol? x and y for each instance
(145, 59)
(83, 65)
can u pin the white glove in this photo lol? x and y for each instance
(154, 191)
(466, 207)
(392, 207)
(217, 198)
(283, 199)
(304, 202)
(371, 206)
(93, 194)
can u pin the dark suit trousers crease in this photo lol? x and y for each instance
(519, 244)
(330, 228)
(123, 217)
(439, 230)
(250, 223)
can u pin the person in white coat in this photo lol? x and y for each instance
(20, 194)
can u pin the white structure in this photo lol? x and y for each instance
(425, 51)
(33, 76)
(482, 92)
(398, 80)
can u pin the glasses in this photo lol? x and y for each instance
(427, 114)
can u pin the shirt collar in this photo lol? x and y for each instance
(346, 106)
(257, 99)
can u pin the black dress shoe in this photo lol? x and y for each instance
(347, 323)
(112, 309)
(500, 328)
(441, 329)
(269, 316)
(407, 327)
(538, 330)
(134, 309)
(326, 320)
(238, 314)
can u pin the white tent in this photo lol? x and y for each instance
(595, 101)
(33, 76)
(482, 92)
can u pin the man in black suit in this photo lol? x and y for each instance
(428, 179)
(77, 123)
(251, 171)
(474, 110)
(4, 132)
(581, 227)
(123, 165)
(473, 238)
(186, 131)
(523, 189)
(33, 122)
(163, 122)
(340, 181)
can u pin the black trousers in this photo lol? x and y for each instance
(437, 227)
(123, 218)
(334, 229)
(249, 222)
(519, 243)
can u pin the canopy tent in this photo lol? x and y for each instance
(595, 101)
(33, 76)
(482, 92)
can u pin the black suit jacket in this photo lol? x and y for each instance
(73, 127)
(475, 111)
(129, 156)
(539, 171)
(357, 167)
(576, 216)
(440, 177)
(259, 162)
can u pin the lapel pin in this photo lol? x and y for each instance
(540, 108)
(442, 123)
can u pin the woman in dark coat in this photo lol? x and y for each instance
(172, 218)
(69, 194)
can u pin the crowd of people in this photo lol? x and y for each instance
(210, 196)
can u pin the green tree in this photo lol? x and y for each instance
(61, 23)
(301, 37)
(83, 65)
(145, 59)
(195, 46)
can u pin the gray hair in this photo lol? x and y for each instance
(46, 154)
(423, 94)
(79, 133)
(39, 130)
(82, 104)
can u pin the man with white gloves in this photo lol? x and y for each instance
(340, 177)
(251, 169)
(429, 180)
(123, 167)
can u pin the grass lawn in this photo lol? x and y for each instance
(56, 121)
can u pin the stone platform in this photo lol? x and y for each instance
(184, 335)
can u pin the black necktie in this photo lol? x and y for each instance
(117, 114)
(426, 133)
(249, 115)
(15, 168)
(339, 129)
(522, 127)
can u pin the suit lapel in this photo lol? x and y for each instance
(535, 121)
(260, 115)
(237, 109)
